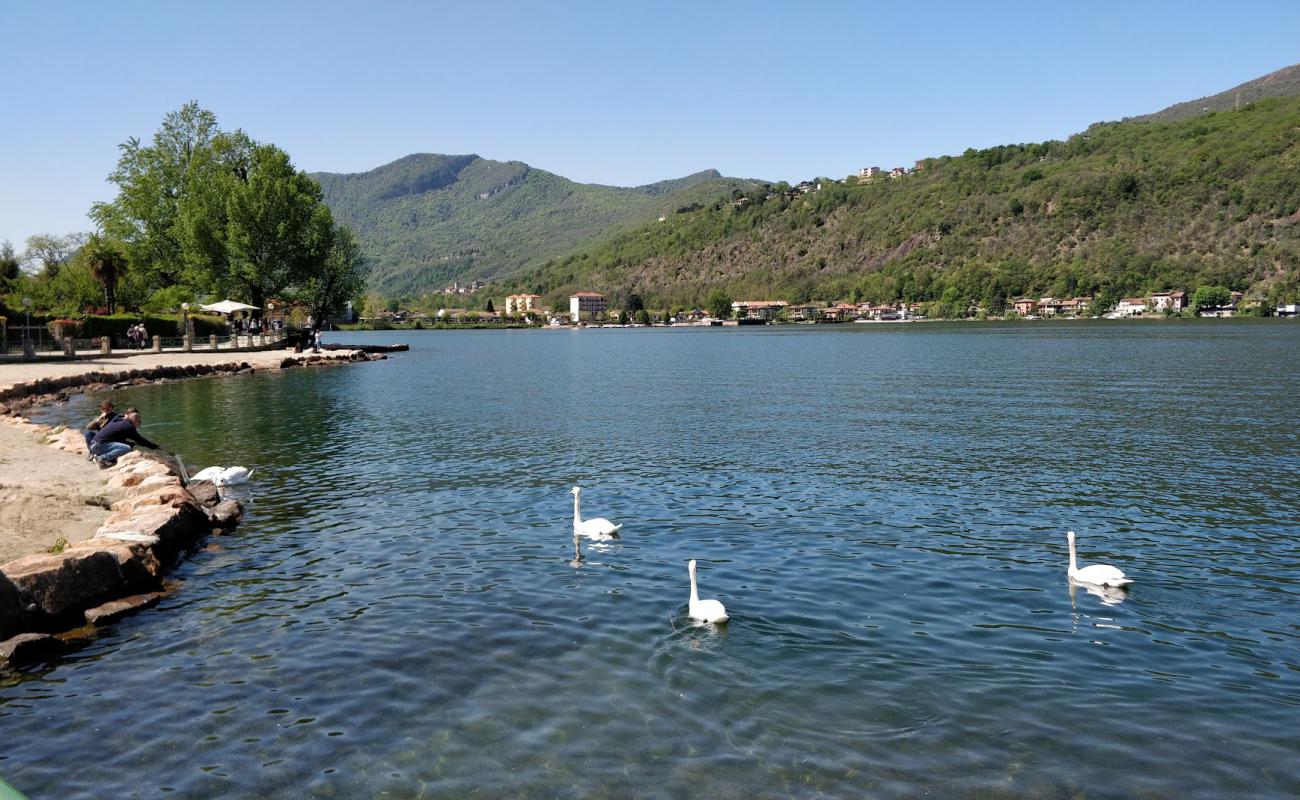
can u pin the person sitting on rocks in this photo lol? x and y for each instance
(107, 413)
(114, 439)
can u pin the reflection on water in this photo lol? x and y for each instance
(1109, 595)
(405, 613)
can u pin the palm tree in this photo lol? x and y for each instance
(107, 265)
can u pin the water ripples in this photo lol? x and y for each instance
(883, 513)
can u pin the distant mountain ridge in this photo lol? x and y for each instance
(428, 219)
(1120, 209)
(1284, 82)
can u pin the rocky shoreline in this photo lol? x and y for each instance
(50, 601)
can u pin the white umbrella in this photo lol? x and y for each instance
(228, 307)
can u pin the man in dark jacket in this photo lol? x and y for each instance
(107, 413)
(114, 439)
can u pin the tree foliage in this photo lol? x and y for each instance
(201, 211)
(341, 277)
(107, 264)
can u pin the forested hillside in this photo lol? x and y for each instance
(1120, 208)
(425, 220)
(1282, 83)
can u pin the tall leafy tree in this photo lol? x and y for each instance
(340, 278)
(278, 231)
(10, 265)
(152, 181)
(50, 252)
(719, 304)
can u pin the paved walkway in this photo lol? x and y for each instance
(25, 371)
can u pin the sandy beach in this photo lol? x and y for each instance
(45, 493)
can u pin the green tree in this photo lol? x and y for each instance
(276, 230)
(341, 277)
(10, 265)
(107, 263)
(489, 308)
(1210, 297)
(153, 181)
(51, 251)
(718, 304)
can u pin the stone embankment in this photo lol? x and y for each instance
(50, 600)
(369, 348)
(56, 388)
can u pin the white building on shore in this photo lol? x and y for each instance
(586, 304)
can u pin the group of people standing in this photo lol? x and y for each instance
(137, 336)
(111, 435)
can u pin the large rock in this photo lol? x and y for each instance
(28, 648)
(205, 492)
(116, 609)
(62, 583)
(170, 496)
(141, 569)
(13, 609)
(152, 483)
(226, 514)
(176, 529)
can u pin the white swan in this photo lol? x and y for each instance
(223, 476)
(597, 528)
(209, 474)
(704, 610)
(233, 476)
(1095, 574)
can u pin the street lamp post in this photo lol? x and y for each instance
(185, 326)
(28, 351)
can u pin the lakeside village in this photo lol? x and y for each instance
(591, 309)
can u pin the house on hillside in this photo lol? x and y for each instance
(1168, 301)
(897, 172)
(1049, 306)
(585, 305)
(1025, 306)
(1130, 307)
(520, 303)
(804, 312)
(759, 309)
(868, 172)
(878, 311)
(841, 312)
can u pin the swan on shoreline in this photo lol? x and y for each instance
(223, 476)
(596, 528)
(1095, 574)
(704, 610)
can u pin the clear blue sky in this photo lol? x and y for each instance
(603, 92)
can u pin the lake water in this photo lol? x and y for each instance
(881, 508)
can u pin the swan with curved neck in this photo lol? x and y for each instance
(596, 528)
(704, 610)
(1095, 574)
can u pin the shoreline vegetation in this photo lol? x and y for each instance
(732, 323)
(84, 547)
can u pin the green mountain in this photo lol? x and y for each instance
(1121, 208)
(1283, 83)
(426, 220)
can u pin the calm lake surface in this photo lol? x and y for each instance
(881, 508)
